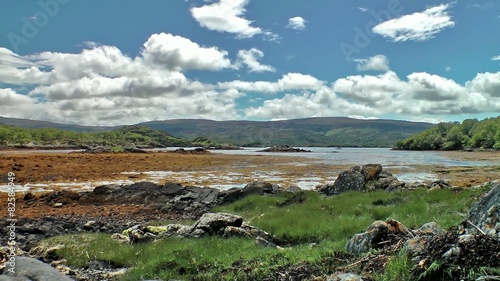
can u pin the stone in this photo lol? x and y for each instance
(33, 269)
(431, 228)
(121, 238)
(371, 171)
(416, 247)
(346, 181)
(344, 277)
(374, 236)
(485, 214)
(452, 254)
(439, 184)
(232, 231)
(261, 242)
(258, 188)
(214, 222)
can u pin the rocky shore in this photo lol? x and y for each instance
(125, 212)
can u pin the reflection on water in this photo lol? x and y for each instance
(359, 156)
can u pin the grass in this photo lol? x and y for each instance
(299, 219)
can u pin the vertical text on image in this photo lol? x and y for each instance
(11, 209)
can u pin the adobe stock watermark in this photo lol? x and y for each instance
(32, 25)
(11, 227)
(361, 38)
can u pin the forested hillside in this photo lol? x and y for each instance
(470, 134)
(125, 136)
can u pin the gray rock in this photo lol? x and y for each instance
(374, 236)
(452, 254)
(30, 269)
(346, 181)
(431, 228)
(214, 222)
(261, 242)
(485, 214)
(416, 247)
(344, 277)
(258, 188)
(233, 231)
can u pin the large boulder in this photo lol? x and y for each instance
(214, 222)
(346, 181)
(33, 269)
(371, 171)
(484, 216)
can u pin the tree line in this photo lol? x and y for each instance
(470, 134)
(125, 136)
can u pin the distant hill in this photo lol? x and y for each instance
(321, 131)
(35, 124)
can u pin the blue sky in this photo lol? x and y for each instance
(123, 62)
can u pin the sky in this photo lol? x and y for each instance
(123, 62)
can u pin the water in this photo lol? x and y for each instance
(360, 156)
(403, 160)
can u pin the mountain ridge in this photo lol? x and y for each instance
(314, 131)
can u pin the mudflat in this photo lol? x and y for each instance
(201, 169)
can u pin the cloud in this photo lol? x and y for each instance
(250, 59)
(377, 63)
(101, 85)
(176, 53)
(362, 9)
(422, 94)
(420, 26)
(495, 58)
(226, 16)
(289, 82)
(297, 23)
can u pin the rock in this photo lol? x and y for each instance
(431, 228)
(121, 238)
(416, 247)
(214, 222)
(232, 231)
(485, 214)
(179, 229)
(57, 205)
(261, 242)
(139, 234)
(439, 184)
(284, 148)
(346, 181)
(371, 171)
(452, 254)
(375, 236)
(384, 174)
(344, 277)
(33, 269)
(258, 188)
(229, 196)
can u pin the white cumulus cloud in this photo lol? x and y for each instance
(495, 58)
(176, 52)
(418, 26)
(227, 16)
(251, 57)
(377, 63)
(297, 23)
